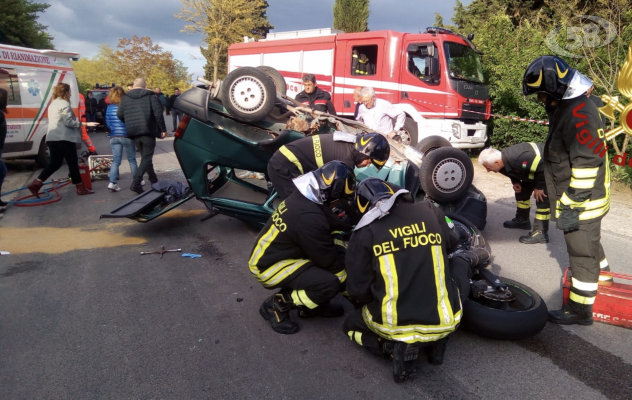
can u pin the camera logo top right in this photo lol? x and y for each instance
(590, 32)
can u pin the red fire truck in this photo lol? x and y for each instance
(435, 77)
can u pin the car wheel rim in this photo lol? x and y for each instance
(405, 138)
(247, 94)
(449, 175)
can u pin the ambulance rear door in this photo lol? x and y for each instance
(14, 145)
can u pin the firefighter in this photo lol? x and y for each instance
(307, 154)
(297, 252)
(84, 132)
(314, 97)
(577, 177)
(404, 294)
(522, 163)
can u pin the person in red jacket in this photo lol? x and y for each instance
(84, 131)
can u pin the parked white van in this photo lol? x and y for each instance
(29, 75)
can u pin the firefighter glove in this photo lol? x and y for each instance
(568, 221)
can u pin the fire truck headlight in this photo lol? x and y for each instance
(456, 130)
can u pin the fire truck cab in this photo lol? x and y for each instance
(435, 77)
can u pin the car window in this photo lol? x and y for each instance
(9, 82)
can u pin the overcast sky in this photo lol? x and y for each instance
(80, 25)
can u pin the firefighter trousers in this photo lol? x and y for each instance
(281, 178)
(523, 204)
(357, 330)
(311, 287)
(587, 258)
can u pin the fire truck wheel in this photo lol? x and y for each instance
(433, 142)
(42, 159)
(446, 174)
(409, 136)
(248, 94)
(521, 318)
(279, 80)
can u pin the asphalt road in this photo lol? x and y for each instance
(84, 316)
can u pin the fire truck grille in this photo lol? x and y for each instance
(473, 107)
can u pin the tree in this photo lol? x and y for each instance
(135, 57)
(351, 15)
(222, 23)
(438, 22)
(19, 26)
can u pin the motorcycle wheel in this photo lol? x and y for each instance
(248, 94)
(519, 319)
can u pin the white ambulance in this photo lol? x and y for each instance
(29, 75)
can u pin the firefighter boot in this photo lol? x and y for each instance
(276, 310)
(518, 223)
(404, 356)
(572, 313)
(83, 190)
(34, 187)
(535, 237)
(436, 351)
(326, 310)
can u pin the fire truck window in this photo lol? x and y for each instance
(419, 61)
(9, 82)
(363, 60)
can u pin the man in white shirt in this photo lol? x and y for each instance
(378, 114)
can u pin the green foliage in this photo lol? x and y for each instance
(19, 26)
(621, 174)
(438, 22)
(351, 15)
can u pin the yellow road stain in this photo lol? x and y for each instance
(61, 240)
(183, 213)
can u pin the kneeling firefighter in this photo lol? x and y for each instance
(307, 154)
(577, 177)
(300, 252)
(405, 297)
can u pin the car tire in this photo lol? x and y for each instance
(433, 142)
(446, 174)
(410, 129)
(42, 159)
(248, 94)
(279, 80)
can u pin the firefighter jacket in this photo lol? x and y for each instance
(397, 266)
(523, 163)
(310, 153)
(318, 100)
(298, 234)
(575, 160)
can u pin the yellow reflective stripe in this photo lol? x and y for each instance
(389, 302)
(536, 160)
(581, 299)
(585, 286)
(603, 263)
(443, 305)
(279, 271)
(583, 173)
(342, 275)
(542, 217)
(290, 156)
(411, 333)
(299, 297)
(586, 215)
(355, 336)
(524, 204)
(261, 247)
(339, 242)
(318, 151)
(568, 202)
(582, 183)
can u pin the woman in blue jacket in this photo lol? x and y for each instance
(118, 139)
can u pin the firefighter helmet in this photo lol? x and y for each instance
(548, 74)
(335, 181)
(372, 190)
(373, 146)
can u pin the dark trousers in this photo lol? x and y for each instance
(312, 287)
(542, 212)
(146, 145)
(585, 253)
(175, 114)
(356, 329)
(59, 151)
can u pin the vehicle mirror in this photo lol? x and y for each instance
(430, 50)
(433, 66)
